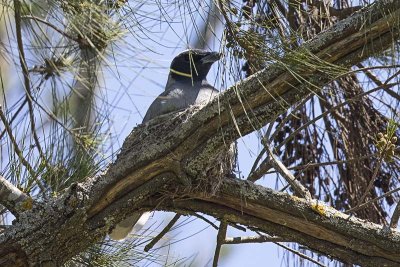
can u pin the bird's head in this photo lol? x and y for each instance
(193, 64)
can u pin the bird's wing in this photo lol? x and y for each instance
(178, 97)
(174, 99)
(206, 94)
(166, 102)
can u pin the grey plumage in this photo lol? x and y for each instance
(127, 225)
(186, 86)
(179, 96)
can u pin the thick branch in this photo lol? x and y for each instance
(319, 227)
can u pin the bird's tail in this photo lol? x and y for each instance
(132, 223)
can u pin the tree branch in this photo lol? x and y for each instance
(45, 22)
(19, 153)
(154, 155)
(253, 239)
(319, 227)
(12, 198)
(162, 233)
(395, 217)
(27, 84)
(220, 241)
(287, 175)
(301, 255)
(340, 13)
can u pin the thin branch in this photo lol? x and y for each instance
(19, 153)
(395, 217)
(372, 200)
(253, 239)
(301, 255)
(316, 165)
(282, 170)
(220, 241)
(339, 13)
(37, 19)
(14, 116)
(205, 219)
(12, 198)
(268, 136)
(241, 228)
(335, 108)
(234, 225)
(25, 72)
(162, 233)
(265, 165)
(371, 182)
(376, 80)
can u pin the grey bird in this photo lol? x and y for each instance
(186, 86)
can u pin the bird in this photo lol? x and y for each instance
(187, 85)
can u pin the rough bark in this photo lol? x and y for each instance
(161, 163)
(12, 198)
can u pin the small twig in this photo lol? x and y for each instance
(282, 170)
(395, 217)
(341, 13)
(253, 239)
(310, 165)
(27, 82)
(205, 219)
(227, 20)
(37, 19)
(14, 116)
(270, 137)
(284, 188)
(220, 241)
(376, 80)
(11, 197)
(241, 228)
(19, 152)
(334, 162)
(162, 233)
(372, 200)
(301, 255)
(287, 118)
(371, 182)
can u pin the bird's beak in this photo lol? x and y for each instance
(211, 57)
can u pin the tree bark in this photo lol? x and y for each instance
(160, 166)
